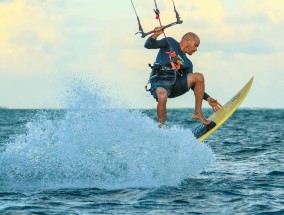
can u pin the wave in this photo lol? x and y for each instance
(93, 145)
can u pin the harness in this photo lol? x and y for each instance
(156, 69)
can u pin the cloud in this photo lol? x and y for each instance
(95, 40)
(5, 1)
(236, 26)
(28, 41)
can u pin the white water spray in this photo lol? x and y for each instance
(91, 145)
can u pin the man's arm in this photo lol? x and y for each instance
(153, 43)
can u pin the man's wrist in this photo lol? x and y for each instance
(206, 96)
(154, 37)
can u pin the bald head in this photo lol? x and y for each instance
(189, 43)
(190, 36)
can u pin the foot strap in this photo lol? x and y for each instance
(202, 129)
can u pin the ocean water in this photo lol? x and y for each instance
(97, 158)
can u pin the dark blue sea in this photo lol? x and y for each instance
(95, 159)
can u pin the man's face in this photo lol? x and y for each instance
(192, 46)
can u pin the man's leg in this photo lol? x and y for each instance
(197, 80)
(162, 105)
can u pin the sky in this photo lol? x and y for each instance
(44, 42)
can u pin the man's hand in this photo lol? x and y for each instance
(214, 104)
(158, 31)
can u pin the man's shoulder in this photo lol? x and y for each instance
(173, 41)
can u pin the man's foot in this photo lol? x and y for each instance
(200, 117)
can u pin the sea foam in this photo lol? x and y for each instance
(95, 143)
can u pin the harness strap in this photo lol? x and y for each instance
(146, 86)
(156, 67)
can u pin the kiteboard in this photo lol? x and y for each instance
(201, 132)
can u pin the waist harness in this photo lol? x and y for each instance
(165, 73)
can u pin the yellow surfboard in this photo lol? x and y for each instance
(227, 110)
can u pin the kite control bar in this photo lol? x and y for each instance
(164, 27)
(157, 12)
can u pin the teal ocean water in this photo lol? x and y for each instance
(91, 159)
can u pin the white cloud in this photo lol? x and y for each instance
(92, 39)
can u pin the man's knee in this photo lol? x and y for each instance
(161, 94)
(195, 78)
(199, 77)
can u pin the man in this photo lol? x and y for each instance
(169, 80)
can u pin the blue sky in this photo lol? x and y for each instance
(43, 42)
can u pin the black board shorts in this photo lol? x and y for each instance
(176, 85)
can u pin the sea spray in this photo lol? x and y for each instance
(96, 143)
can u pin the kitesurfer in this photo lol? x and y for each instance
(172, 74)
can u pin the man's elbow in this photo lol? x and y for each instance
(147, 46)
